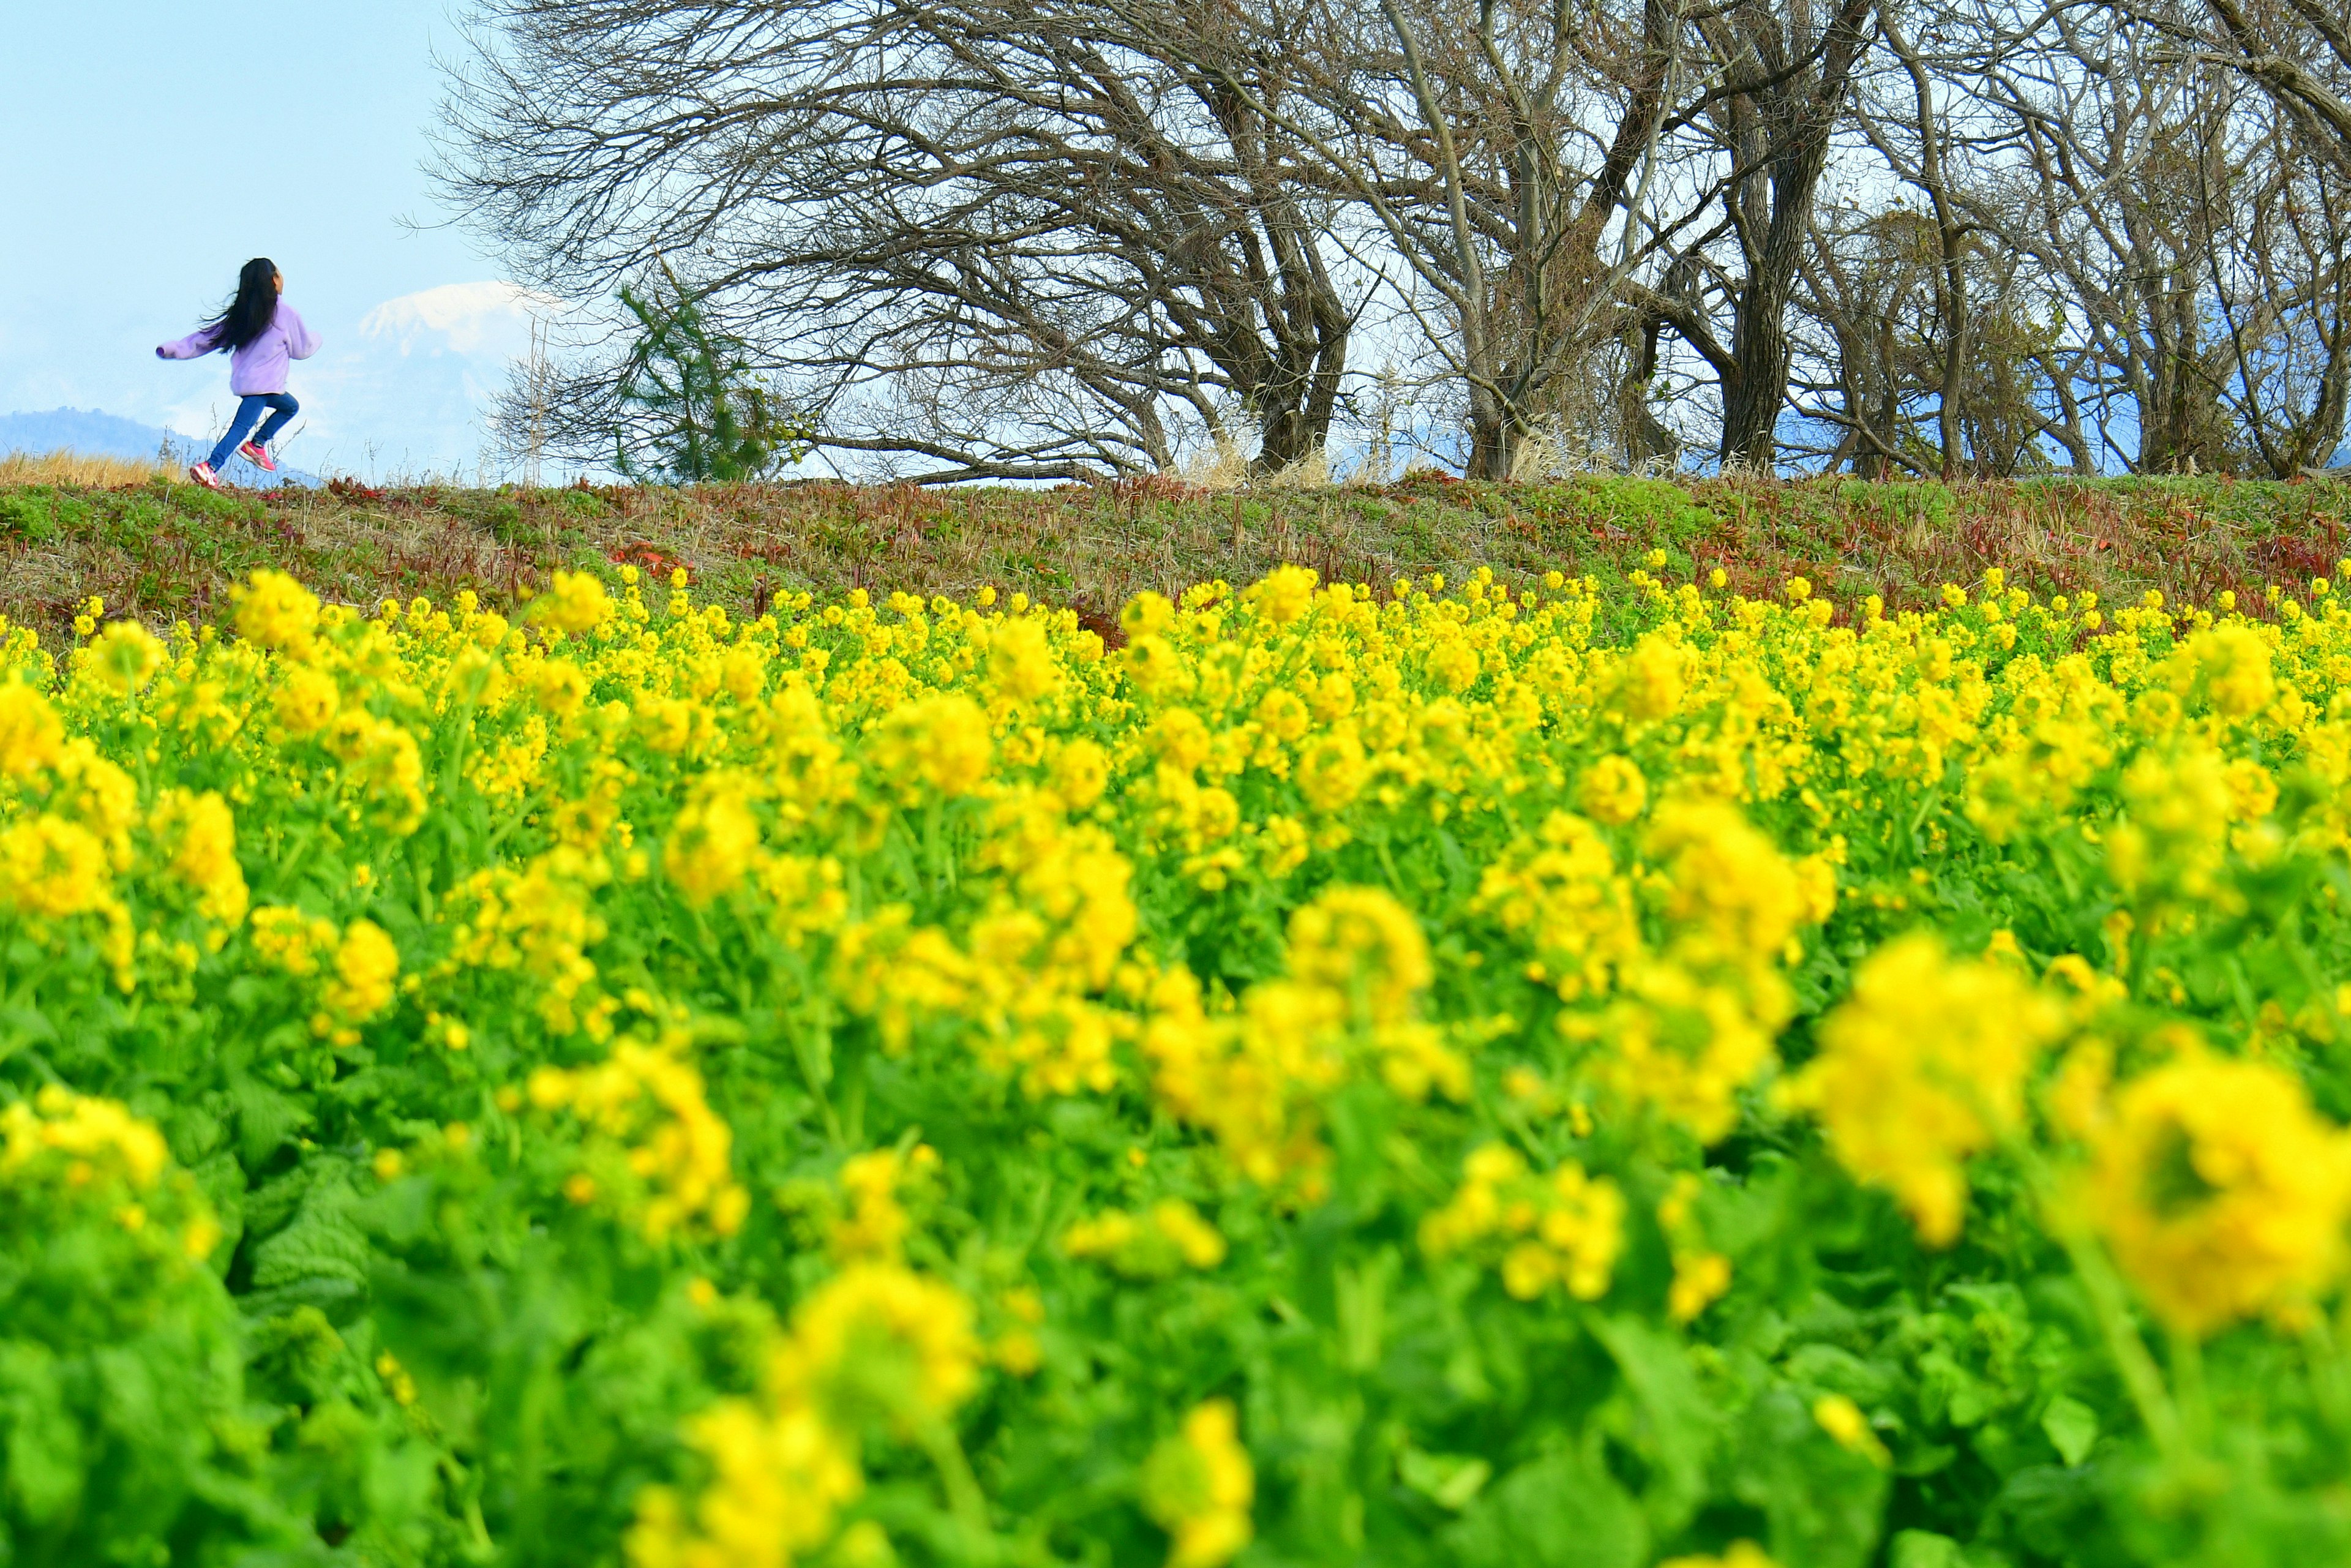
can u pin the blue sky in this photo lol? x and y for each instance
(151, 146)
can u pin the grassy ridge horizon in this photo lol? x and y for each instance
(162, 551)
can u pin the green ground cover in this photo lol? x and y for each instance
(165, 552)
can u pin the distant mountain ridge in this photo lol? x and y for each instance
(98, 435)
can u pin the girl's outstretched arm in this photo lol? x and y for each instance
(301, 341)
(194, 346)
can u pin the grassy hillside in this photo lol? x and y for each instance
(162, 551)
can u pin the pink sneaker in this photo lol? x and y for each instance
(253, 451)
(203, 474)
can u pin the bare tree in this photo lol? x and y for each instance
(1775, 131)
(2184, 223)
(1486, 152)
(1952, 233)
(2299, 51)
(1565, 185)
(982, 238)
(1529, 128)
(1923, 349)
(1037, 239)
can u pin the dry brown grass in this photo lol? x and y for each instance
(63, 467)
(161, 551)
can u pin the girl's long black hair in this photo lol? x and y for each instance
(248, 314)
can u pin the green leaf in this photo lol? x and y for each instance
(1825, 1506)
(1676, 1427)
(29, 515)
(41, 1449)
(1925, 1549)
(321, 1256)
(1558, 1511)
(2072, 1427)
(264, 1120)
(1450, 1480)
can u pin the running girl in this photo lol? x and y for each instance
(261, 334)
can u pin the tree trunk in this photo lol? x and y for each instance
(1751, 399)
(1805, 114)
(1645, 437)
(1494, 437)
(1301, 394)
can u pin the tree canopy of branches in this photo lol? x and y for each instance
(1051, 239)
(997, 240)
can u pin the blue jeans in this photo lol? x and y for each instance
(281, 409)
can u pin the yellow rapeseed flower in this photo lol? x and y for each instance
(1199, 1485)
(1361, 942)
(125, 657)
(275, 611)
(939, 743)
(30, 732)
(1738, 1555)
(2221, 1192)
(1021, 661)
(713, 843)
(1566, 1228)
(1613, 791)
(574, 603)
(366, 965)
(1923, 1066)
(878, 1332)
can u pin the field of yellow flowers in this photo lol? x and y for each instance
(1415, 1074)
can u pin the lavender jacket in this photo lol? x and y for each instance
(259, 368)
